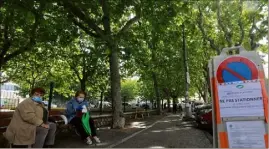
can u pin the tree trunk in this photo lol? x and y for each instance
(118, 116)
(159, 108)
(168, 104)
(162, 107)
(83, 85)
(152, 103)
(174, 102)
(207, 78)
(205, 93)
(32, 85)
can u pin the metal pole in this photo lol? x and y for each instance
(146, 104)
(50, 95)
(124, 101)
(186, 69)
(101, 103)
(268, 52)
(0, 88)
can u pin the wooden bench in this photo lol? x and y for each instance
(141, 112)
(4, 123)
(62, 125)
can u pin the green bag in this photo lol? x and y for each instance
(85, 122)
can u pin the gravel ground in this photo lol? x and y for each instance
(170, 132)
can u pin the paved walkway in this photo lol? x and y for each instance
(107, 136)
(153, 132)
(170, 132)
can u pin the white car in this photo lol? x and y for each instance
(46, 103)
(134, 105)
(91, 105)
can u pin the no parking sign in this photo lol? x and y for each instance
(236, 68)
(240, 101)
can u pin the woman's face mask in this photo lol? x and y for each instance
(80, 99)
(37, 99)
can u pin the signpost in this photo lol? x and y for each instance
(239, 100)
(236, 68)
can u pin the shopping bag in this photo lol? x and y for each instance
(85, 122)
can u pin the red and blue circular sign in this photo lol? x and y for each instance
(236, 68)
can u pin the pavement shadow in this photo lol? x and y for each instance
(107, 136)
(170, 132)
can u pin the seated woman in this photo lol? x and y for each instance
(73, 113)
(29, 125)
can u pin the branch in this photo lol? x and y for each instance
(28, 81)
(84, 28)
(9, 77)
(1, 3)
(129, 24)
(205, 36)
(227, 34)
(83, 59)
(25, 6)
(32, 39)
(106, 17)
(75, 71)
(84, 67)
(91, 70)
(240, 23)
(76, 11)
(251, 34)
(7, 42)
(4, 81)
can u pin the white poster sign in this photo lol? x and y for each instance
(240, 99)
(246, 134)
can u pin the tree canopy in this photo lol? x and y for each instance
(96, 46)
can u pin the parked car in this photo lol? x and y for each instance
(134, 105)
(200, 108)
(105, 104)
(126, 104)
(200, 111)
(204, 120)
(46, 103)
(196, 104)
(145, 106)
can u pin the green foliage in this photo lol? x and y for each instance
(129, 89)
(71, 43)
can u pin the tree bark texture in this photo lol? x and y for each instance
(157, 93)
(115, 90)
